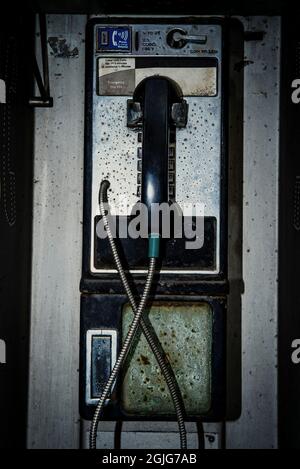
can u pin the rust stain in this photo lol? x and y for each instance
(145, 360)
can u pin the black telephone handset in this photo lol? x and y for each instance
(157, 105)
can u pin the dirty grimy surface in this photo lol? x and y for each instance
(185, 332)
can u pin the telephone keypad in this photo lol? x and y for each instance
(171, 166)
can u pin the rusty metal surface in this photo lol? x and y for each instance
(185, 332)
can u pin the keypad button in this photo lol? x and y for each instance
(171, 152)
(171, 165)
(171, 178)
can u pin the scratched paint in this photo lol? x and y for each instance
(60, 48)
(185, 332)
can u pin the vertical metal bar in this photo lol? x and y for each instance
(53, 415)
(39, 80)
(44, 100)
(43, 33)
(257, 425)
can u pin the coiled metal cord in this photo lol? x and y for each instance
(123, 354)
(150, 336)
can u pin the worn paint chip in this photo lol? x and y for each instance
(61, 48)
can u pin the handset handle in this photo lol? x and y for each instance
(156, 124)
(157, 105)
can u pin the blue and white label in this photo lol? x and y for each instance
(111, 38)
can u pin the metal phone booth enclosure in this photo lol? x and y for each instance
(159, 336)
(134, 69)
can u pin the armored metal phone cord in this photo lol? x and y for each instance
(150, 336)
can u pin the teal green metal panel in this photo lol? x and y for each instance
(185, 332)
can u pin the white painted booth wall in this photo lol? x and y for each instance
(53, 418)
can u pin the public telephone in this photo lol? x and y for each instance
(156, 133)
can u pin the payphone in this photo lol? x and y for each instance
(153, 303)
